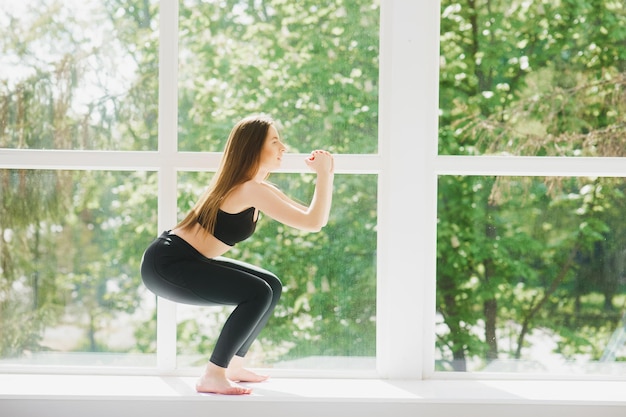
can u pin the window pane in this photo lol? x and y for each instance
(70, 289)
(532, 78)
(531, 275)
(78, 74)
(312, 66)
(326, 318)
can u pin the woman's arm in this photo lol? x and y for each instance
(323, 164)
(278, 206)
(286, 198)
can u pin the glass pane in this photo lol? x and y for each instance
(78, 74)
(532, 78)
(326, 318)
(531, 275)
(312, 66)
(70, 290)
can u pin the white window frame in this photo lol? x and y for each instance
(400, 349)
(403, 310)
(405, 333)
(407, 166)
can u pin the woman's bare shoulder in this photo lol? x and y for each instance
(243, 196)
(254, 187)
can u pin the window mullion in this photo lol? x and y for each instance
(168, 113)
(407, 212)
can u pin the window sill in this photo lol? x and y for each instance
(79, 395)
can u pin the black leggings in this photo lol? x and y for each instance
(173, 269)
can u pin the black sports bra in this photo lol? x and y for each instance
(232, 228)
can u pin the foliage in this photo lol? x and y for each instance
(81, 234)
(538, 78)
(515, 256)
(313, 67)
(328, 277)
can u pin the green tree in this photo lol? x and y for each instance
(54, 258)
(524, 78)
(314, 67)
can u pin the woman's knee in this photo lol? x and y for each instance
(272, 289)
(275, 284)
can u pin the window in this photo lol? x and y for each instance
(314, 68)
(78, 80)
(530, 248)
(79, 75)
(65, 178)
(92, 170)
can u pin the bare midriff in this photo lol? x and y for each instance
(205, 243)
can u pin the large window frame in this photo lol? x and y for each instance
(400, 343)
(407, 166)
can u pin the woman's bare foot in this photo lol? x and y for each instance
(244, 375)
(214, 381)
(236, 372)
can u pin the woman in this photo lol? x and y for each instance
(186, 265)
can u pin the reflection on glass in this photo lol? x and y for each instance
(532, 78)
(70, 246)
(78, 74)
(326, 318)
(311, 66)
(531, 275)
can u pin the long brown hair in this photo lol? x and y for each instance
(239, 164)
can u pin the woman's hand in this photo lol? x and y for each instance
(321, 162)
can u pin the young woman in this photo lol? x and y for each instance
(186, 265)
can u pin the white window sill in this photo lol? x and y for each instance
(79, 395)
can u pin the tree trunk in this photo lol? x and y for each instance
(546, 296)
(490, 308)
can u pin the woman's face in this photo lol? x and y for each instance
(272, 151)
